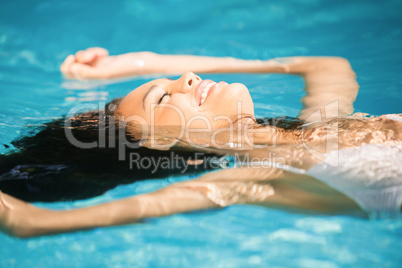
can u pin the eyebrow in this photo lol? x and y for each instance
(152, 88)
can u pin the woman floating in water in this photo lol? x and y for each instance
(326, 161)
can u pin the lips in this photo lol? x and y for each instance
(204, 90)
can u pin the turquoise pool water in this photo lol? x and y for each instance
(35, 36)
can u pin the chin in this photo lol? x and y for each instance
(242, 94)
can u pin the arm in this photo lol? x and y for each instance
(327, 79)
(21, 219)
(95, 63)
(260, 186)
(330, 84)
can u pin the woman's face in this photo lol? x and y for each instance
(188, 101)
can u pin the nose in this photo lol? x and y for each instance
(186, 83)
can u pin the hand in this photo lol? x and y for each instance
(92, 63)
(17, 218)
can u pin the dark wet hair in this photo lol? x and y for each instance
(283, 122)
(45, 166)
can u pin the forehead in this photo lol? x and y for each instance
(132, 103)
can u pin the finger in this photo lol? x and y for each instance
(99, 51)
(66, 65)
(85, 56)
(78, 70)
(94, 54)
(83, 71)
(90, 55)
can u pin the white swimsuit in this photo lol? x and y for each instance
(370, 174)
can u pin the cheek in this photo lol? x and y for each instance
(180, 116)
(169, 115)
(235, 99)
(175, 113)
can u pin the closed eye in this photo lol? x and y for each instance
(161, 99)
